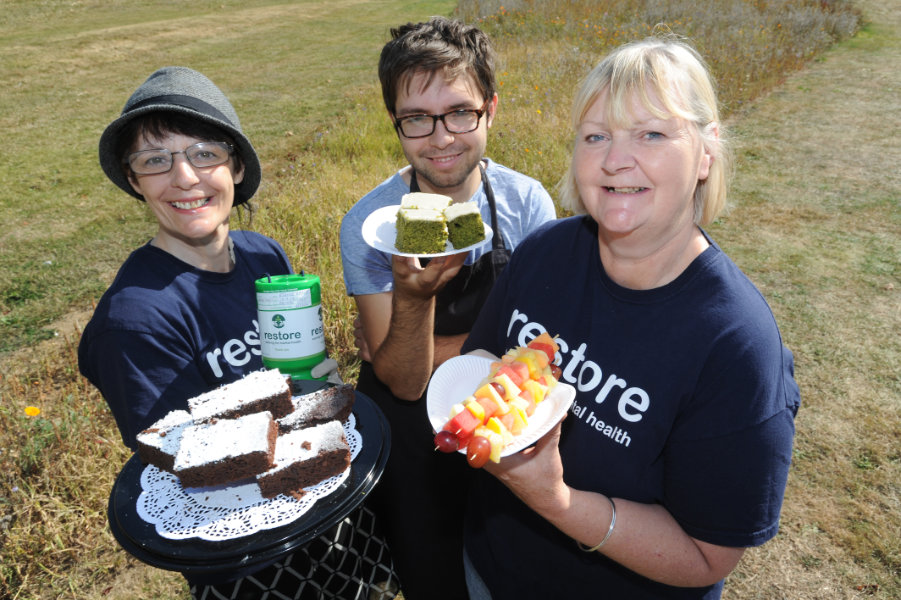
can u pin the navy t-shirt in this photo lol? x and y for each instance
(165, 331)
(685, 398)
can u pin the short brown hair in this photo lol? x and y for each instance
(439, 46)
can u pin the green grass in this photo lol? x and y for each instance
(811, 226)
(68, 69)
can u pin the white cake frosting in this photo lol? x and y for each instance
(165, 434)
(206, 443)
(423, 200)
(422, 214)
(461, 208)
(256, 385)
(304, 444)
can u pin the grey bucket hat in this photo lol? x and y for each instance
(186, 91)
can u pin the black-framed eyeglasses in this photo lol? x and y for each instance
(160, 160)
(455, 121)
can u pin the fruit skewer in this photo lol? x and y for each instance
(499, 409)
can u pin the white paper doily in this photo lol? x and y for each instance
(227, 512)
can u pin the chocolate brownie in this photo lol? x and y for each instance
(159, 443)
(264, 390)
(306, 457)
(333, 403)
(226, 450)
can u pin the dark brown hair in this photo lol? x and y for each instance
(441, 46)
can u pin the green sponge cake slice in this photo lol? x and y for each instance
(420, 231)
(464, 224)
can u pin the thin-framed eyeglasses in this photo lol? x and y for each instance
(160, 160)
(455, 121)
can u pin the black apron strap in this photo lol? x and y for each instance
(499, 255)
(459, 302)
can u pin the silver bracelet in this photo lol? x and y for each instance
(583, 548)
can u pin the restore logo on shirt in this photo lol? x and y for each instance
(235, 352)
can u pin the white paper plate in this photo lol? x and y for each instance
(459, 377)
(380, 232)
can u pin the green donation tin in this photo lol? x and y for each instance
(289, 310)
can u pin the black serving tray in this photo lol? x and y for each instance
(199, 556)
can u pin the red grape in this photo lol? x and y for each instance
(501, 390)
(446, 441)
(478, 451)
(556, 371)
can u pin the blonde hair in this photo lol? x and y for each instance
(673, 72)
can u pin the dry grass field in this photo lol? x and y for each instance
(815, 222)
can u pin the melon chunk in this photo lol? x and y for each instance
(487, 391)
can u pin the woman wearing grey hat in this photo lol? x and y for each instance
(180, 316)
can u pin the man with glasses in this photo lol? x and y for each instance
(439, 87)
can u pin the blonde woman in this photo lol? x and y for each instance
(675, 454)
